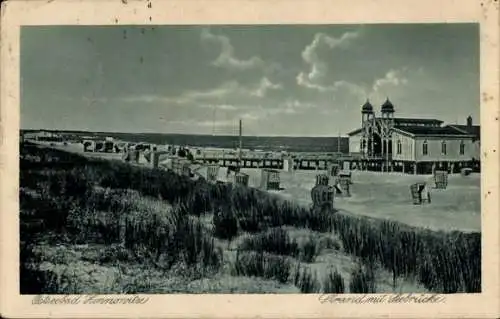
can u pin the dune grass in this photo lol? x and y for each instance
(108, 202)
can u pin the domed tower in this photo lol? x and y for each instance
(387, 109)
(367, 112)
(387, 124)
(367, 117)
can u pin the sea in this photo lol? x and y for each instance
(264, 143)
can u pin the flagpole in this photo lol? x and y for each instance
(213, 121)
(339, 155)
(241, 144)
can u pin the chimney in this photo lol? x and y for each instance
(469, 121)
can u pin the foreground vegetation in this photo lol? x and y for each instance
(174, 227)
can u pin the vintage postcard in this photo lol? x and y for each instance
(249, 159)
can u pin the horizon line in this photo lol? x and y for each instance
(186, 134)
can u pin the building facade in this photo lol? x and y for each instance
(412, 145)
(475, 130)
(43, 136)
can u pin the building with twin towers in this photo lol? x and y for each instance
(412, 145)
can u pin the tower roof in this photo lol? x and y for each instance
(367, 107)
(387, 107)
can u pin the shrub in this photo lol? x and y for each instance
(194, 246)
(172, 238)
(306, 280)
(362, 280)
(32, 279)
(29, 178)
(112, 254)
(198, 202)
(225, 224)
(333, 283)
(259, 264)
(251, 220)
(36, 281)
(276, 241)
(442, 262)
(76, 184)
(309, 250)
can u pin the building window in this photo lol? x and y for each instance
(399, 147)
(443, 148)
(424, 148)
(462, 148)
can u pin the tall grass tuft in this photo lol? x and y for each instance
(442, 262)
(225, 224)
(259, 264)
(276, 241)
(333, 283)
(362, 280)
(171, 238)
(309, 250)
(32, 279)
(306, 280)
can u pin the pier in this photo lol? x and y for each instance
(300, 162)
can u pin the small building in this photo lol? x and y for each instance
(44, 136)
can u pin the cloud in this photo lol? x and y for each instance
(218, 124)
(248, 112)
(264, 86)
(225, 107)
(391, 78)
(316, 77)
(392, 83)
(250, 117)
(288, 107)
(299, 105)
(303, 80)
(221, 95)
(231, 90)
(223, 90)
(227, 58)
(340, 86)
(142, 99)
(191, 96)
(352, 88)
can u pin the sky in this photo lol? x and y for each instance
(281, 80)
